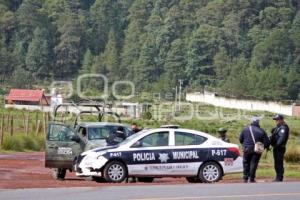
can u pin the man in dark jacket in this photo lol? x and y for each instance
(117, 137)
(251, 158)
(135, 128)
(279, 138)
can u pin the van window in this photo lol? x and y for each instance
(96, 133)
(59, 132)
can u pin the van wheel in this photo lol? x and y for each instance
(59, 174)
(210, 172)
(115, 172)
(193, 179)
(145, 179)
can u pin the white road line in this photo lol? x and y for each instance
(223, 196)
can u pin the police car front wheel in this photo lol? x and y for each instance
(210, 172)
(115, 172)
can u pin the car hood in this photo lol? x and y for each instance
(92, 144)
(98, 150)
(104, 148)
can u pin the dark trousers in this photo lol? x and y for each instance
(250, 163)
(278, 155)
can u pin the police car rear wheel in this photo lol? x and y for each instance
(210, 172)
(115, 172)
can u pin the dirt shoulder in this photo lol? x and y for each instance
(26, 170)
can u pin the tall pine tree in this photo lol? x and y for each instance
(39, 56)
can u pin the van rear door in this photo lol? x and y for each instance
(61, 150)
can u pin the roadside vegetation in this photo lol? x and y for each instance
(227, 118)
(22, 130)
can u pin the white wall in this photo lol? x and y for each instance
(252, 105)
(30, 107)
(70, 109)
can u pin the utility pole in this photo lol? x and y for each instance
(180, 86)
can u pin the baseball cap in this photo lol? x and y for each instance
(278, 117)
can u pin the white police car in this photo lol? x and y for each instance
(163, 152)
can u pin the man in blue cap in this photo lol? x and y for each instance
(279, 138)
(248, 137)
(222, 135)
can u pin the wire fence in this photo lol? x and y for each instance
(23, 123)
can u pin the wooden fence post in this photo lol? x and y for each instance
(24, 121)
(7, 122)
(2, 130)
(37, 127)
(48, 116)
(27, 123)
(36, 119)
(11, 125)
(45, 123)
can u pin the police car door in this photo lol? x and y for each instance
(150, 155)
(60, 149)
(188, 153)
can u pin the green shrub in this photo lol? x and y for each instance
(41, 143)
(13, 143)
(30, 143)
(22, 143)
(147, 115)
(294, 133)
(293, 154)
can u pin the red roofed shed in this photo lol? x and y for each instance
(26, 97)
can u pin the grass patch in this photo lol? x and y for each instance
(12, 143)
(268, 171)
(293, 154)
(23, 143)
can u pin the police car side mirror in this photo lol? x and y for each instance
(136, 144)
(75, 138)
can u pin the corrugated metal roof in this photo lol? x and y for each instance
(25, 95)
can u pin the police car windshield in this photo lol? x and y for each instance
(128, 139)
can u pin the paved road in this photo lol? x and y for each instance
(266, 191)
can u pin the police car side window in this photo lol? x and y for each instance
(183, 139)
(155, 140)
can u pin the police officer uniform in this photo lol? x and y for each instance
(250, 157)
(279, 138)
(117, 137)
